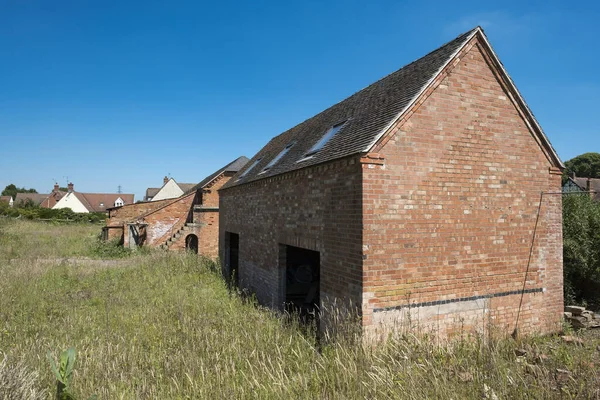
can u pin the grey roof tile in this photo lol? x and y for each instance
(367, 113)
(233, 166)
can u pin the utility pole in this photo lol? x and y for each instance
(119, 189)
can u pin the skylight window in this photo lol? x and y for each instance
(279, 157)
(249, 169)
(328, 135)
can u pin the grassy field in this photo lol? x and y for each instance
(164, 326)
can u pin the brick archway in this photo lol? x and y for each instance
(191, 243)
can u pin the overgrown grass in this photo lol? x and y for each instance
(164, 325)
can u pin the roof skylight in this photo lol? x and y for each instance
(326, 137)
(249, 169)
(278, 157)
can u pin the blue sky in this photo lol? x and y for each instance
(111, 93)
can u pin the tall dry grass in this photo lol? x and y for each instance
(165, 326)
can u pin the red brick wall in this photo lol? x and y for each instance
(317, 208)
(449, 218)
(164, 222)
(209, 234)
(130, 211)
(207, 219)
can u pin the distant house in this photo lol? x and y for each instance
(92, 202)
(7, 199)
(406, 202)
(40, 199)
(169, 190)
(189, 221)
(150, 193)
(581, 184)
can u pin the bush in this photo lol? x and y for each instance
(581, 249)
(33, 212)
(109, 249)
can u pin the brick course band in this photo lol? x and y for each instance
(449, 301)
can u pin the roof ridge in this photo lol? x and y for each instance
(144, 215)
(367, 113)
(468, 33)
(211, 177)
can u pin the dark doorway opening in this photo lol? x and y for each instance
(232, 243)
(191, 243)
(302, 282)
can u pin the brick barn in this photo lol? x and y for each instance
(190, 221)
(407, 200)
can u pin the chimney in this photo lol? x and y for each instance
(70, 187)
(56, 188)
(165, 180)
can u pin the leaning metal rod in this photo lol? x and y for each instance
(516, 330)
(537, 219)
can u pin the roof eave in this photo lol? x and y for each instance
(535, 126)
(370, 147)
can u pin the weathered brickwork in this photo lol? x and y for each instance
(117, 218)
(164, 219)
(450, 216)
(317, 208)
(442, 227)
(206, 219)
(167, 220)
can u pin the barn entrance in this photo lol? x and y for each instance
(191, 243)
(136, 235)
(232, 251)
(302, 282)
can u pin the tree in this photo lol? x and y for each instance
(581, 248)
(12, 190)
(585, 165)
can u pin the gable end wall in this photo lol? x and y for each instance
(449, 217)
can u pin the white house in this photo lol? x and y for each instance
(7, 199)
(170, 190)
(92, 202)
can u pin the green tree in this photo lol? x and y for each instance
(585, 165)
(581, 249)
(12, 190)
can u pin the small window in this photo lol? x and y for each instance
(328, 135)
(101, 204)
(279, 157)
(249, 169)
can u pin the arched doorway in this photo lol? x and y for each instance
(191, 243)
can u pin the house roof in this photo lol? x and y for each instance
(366, 115)
(232, 167)
(7, 199)
(594, 185)
(151, 192)
(98, 202)
(36, 198)
(185, 186)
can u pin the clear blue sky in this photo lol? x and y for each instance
(115, 93)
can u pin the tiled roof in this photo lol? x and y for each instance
(233, 167)
(7, 199)
(151, 192)
(366, 115)
(37, 198)
(594, 185)
(98, 202)
(186, 186)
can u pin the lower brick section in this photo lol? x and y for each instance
(500, 312)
